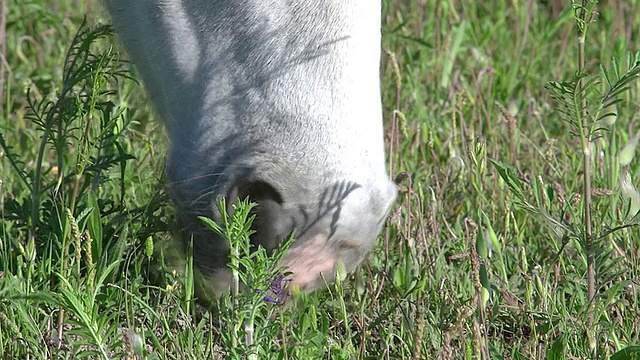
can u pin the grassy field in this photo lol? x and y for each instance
(514, 234)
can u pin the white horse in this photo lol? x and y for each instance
(277, 100)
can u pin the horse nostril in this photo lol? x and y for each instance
(272, 222)
(259, 190)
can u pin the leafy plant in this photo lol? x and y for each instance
(256, 282)
(587, 103)
(60, 221)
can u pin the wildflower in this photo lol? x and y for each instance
(278, 288)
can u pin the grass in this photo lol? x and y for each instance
(494, 251)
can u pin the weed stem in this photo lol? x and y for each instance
(585, 138)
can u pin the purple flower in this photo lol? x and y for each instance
(278, 289)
